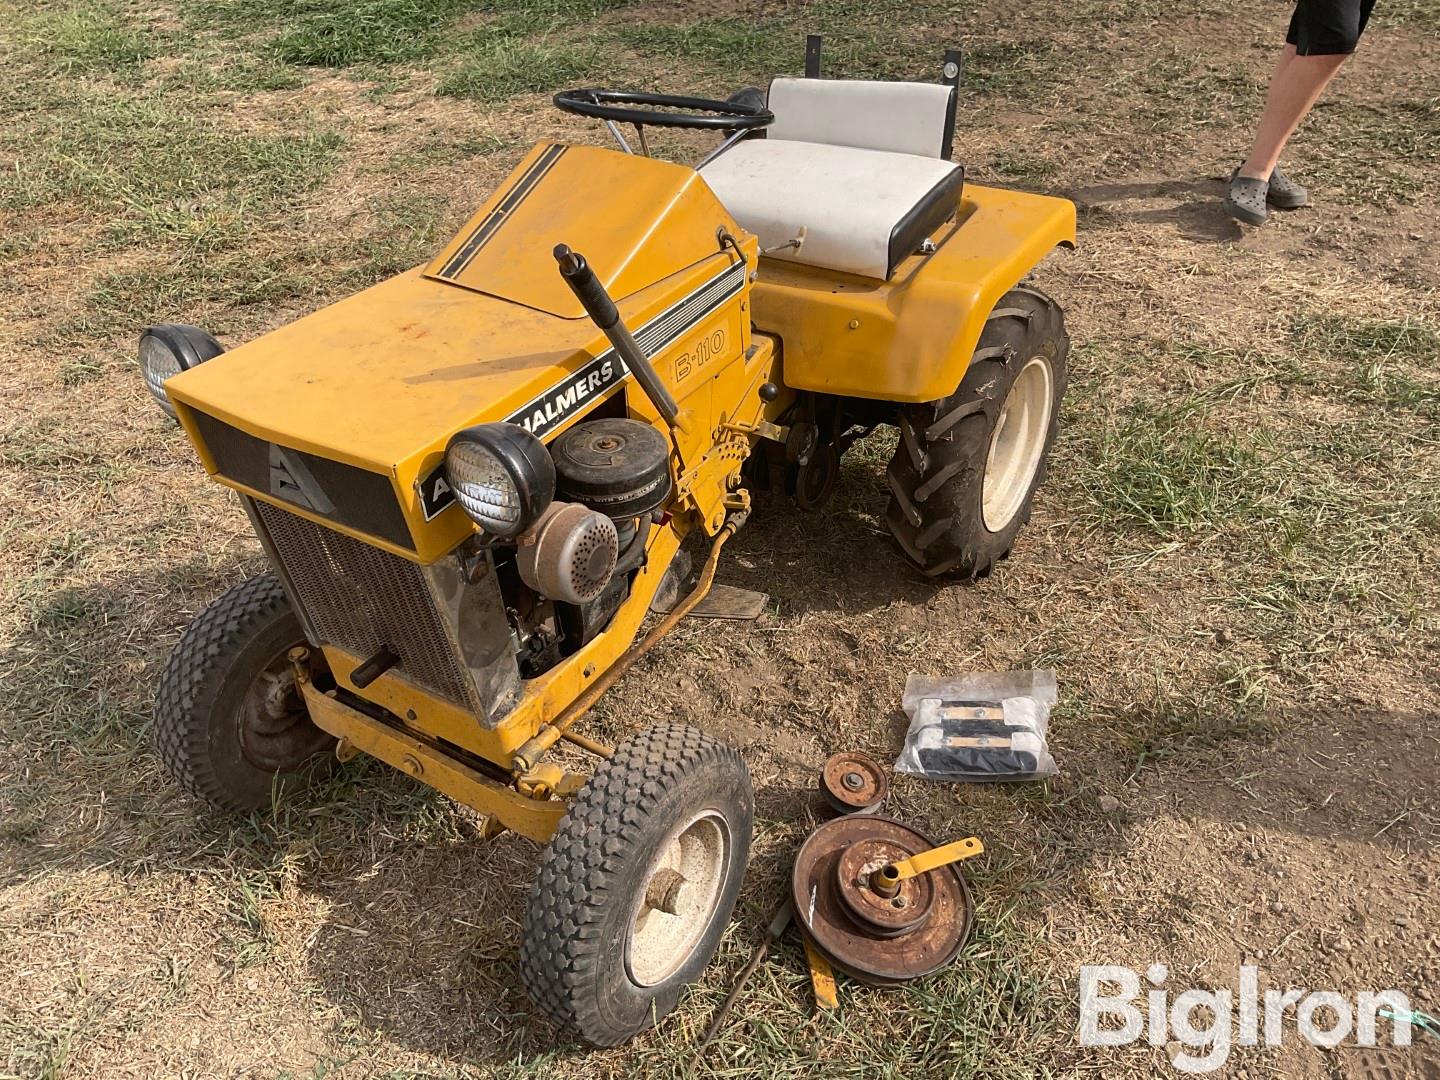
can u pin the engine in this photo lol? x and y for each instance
(567, 571)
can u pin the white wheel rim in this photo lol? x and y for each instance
(660, 942)
(1017, 443)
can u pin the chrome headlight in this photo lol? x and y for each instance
(169, 349)
(502, 476)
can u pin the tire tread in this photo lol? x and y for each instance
(944, 443)
(181, 720)
(584, 863)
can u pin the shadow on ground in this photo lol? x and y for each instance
(1193, 206)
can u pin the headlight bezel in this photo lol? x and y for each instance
(525, 463)
(187, 346)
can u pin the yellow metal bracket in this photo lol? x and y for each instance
(535, 816)
(886, 880)
(546, 779)
(935, 858)
(761, 429)
(822, 977)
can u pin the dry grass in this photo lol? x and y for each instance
(1232, 566)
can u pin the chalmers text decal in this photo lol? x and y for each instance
(586, 385)
(575, 391)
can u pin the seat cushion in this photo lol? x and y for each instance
(862, 211)
(900, 117)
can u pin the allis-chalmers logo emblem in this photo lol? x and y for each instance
(552, 407)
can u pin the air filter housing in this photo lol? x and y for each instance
(617, 466)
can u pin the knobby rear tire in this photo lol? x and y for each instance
(936, 477)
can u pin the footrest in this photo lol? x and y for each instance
(726, 602)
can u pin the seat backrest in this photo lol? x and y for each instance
(898, 117)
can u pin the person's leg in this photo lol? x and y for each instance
(1296, 86)
(1322, 35)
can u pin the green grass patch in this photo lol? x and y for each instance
(494, 71)
(1174, 93)
(222, 72)
(339, 33)
(1015, 69)
(739, 48)
(1161, 467)
(992, 1013)
(1310, 472)
(154, 173)
(1228, 374)
(79, 370)
(1379, 153)
(1022, 168)
(1357, 340)
(213, 290)
(553, 14)
(1388, 361)
(89, 38)
(1172, 724)
(875, 40)
(345, 33)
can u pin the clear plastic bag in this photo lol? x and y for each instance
(980, 728)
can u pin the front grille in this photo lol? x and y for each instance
(358, 498)
(359, 598)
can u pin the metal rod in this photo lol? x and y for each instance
(599, 749)
(644, 372)
(773, 933)
(596, 301)
(551, 733)
(730, 141)
(618, 137)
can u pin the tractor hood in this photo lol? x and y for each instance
(628, 215)
(377, 383)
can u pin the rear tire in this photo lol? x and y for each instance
(960, 489)
(665, 821)
(229, 723)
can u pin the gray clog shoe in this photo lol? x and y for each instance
(1284, 193)
(1245, 200)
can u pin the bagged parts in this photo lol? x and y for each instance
(979, 728)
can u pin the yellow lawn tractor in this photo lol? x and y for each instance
(474, 481)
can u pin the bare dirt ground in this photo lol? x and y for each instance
(1232, 567)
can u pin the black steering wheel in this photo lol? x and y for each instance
(664, 110)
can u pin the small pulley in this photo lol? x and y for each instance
(853, 783)
(879, 900)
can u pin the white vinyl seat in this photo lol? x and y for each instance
(855, 171)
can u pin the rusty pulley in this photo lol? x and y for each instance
(879, 900)
(853, 783)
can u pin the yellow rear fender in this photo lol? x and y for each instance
(910, 339)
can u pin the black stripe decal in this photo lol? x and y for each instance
(491, 222)
(595, 378)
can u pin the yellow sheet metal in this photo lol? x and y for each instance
(533, 818)
(911, 338)
(635, 219)
(383, 379)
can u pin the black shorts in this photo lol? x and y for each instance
(1328, 27)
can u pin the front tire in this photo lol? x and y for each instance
(638, 883)
(965, 473)
(229, 723)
